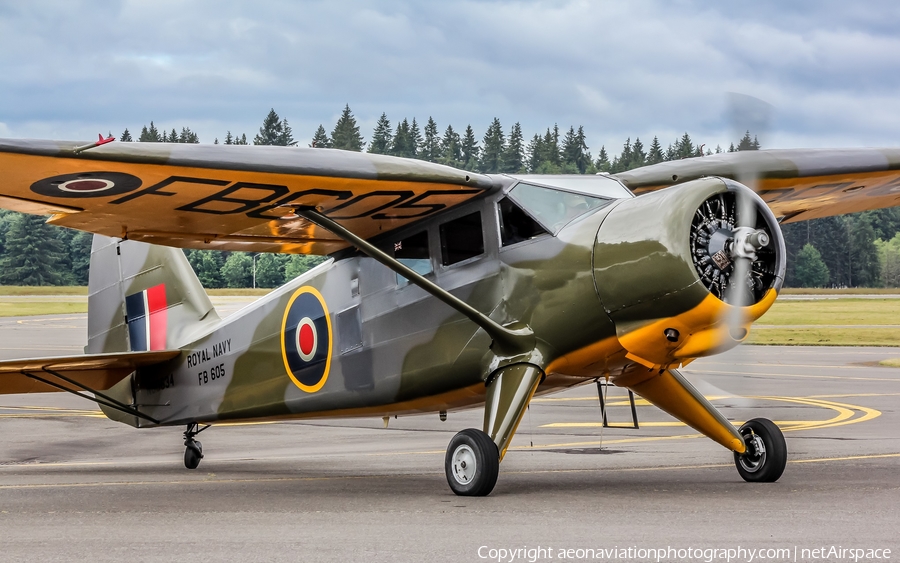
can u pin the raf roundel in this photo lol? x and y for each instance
(87, 184)
(306, 339)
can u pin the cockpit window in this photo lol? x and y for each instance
(554, 208)
(515, 224)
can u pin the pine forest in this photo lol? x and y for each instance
(856, 250)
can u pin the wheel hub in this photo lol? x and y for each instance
(463, 464)
(755, 457)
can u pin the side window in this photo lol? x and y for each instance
(515, 224)
(413, 253)
(461, 239)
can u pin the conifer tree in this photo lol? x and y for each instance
(150, 135)
(415, 140)
(287, 135)
(381, 137)
(551, 154)
(747, 144)
(621, 162)
(470, 149)
(33, 255)
(603, 164)
(451, 152)
(126, 136)
(862, 252)
(535, 150)
(493, 147)
(431, 143)
(655, 154)
(345, 135)
(513, 159)
(671, 152)
(685, 147)
(638, 156)
(320, 139)
(229, 140)
(187, 136)
(242, 140)
(274, 131)
(574, 151)
(401, 144)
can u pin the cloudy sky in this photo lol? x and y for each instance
(831, 69)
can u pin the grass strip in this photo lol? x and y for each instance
(825, 336)
(846, 311)
(31, 308)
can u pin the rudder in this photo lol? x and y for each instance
(143, 297)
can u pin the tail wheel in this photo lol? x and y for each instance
(472, 463)
(766, 454)
(193, 453)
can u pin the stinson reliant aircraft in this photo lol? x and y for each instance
(445, 289)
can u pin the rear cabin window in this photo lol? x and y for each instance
(461, 239)
(413, 253)
(515, 224)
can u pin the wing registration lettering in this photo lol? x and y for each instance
(210, 197)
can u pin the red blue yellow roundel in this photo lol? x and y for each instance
(306, 339)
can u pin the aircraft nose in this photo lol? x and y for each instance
(672, 265)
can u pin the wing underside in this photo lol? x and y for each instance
(226, 197)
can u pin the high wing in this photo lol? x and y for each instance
(96, 372)
(225, 197)
(797, 184)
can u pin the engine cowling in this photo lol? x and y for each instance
(667, 267)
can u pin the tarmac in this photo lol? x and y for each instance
(75, 486)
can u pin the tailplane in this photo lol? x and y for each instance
(143, 297)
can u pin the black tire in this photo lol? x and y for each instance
(764, 466)
(468, 447)
(193, 453)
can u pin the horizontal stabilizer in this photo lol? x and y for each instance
(96, 372)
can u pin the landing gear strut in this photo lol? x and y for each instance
(193, 450)
(766, 454)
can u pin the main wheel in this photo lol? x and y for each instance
(766, 454)
(472, 463)
(193, 453)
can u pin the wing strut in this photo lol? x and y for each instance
(511, 340)
(104, 400)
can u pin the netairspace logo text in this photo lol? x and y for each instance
(668, 553)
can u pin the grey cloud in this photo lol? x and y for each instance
(74, 68)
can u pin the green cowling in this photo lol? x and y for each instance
(646, 253)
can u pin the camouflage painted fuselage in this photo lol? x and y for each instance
(392, 348)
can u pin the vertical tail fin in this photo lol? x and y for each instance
(143, 297)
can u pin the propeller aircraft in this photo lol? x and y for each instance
(444, 290)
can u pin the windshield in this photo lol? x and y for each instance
(596, 185)
(554, 208)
